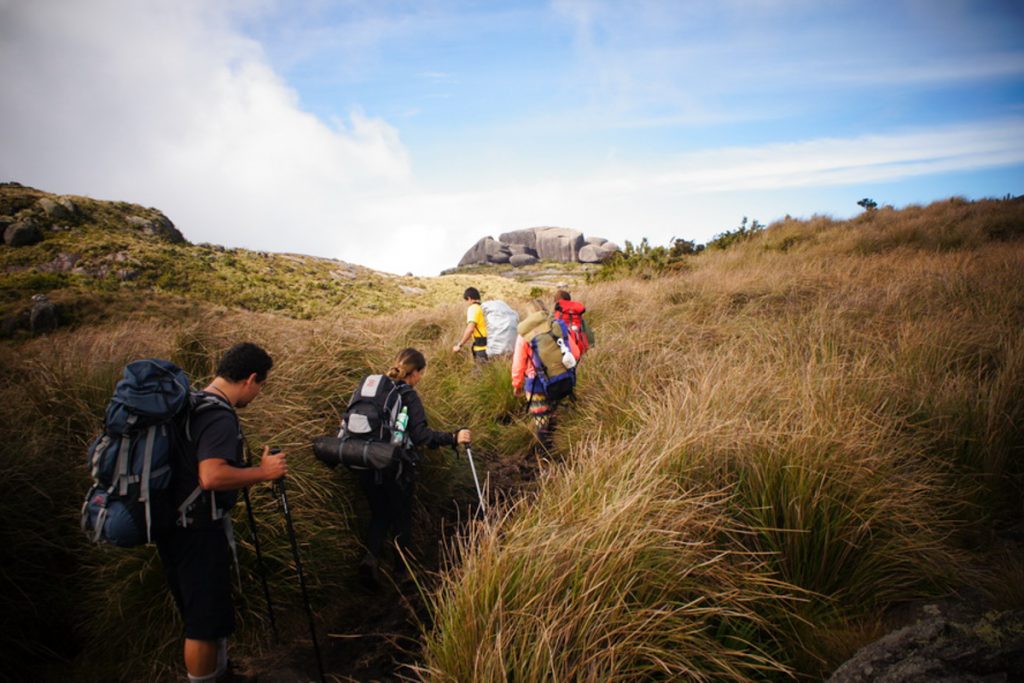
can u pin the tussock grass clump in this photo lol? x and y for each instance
(614, 573)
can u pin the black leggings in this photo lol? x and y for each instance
(390, 509)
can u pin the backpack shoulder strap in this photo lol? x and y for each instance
(201, 402)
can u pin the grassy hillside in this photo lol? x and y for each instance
(108, 255)
(774, 446)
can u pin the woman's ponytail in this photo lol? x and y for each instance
(408, 361)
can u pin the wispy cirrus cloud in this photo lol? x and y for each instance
(862, 159)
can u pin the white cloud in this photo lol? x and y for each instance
(163, 104)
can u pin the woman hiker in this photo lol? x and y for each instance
(390, 494)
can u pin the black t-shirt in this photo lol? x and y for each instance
(215, 433)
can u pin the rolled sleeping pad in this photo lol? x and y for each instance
(355, 454)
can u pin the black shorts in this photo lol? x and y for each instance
(480, 355)
(197, 563)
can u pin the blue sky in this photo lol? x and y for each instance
(396, 134)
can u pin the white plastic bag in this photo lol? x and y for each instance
(501, 327)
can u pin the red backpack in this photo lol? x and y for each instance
(571, 313)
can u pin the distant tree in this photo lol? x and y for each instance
(645, 260)
(868, 204)
(683, 247)
(744, 232)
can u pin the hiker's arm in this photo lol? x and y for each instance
(215, 474)
(466, 336)
(419, 433)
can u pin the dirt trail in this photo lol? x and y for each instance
(378, 638)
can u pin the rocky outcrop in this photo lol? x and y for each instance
(59, 209)
(526, 247)
(943, 645)
(519, 260)
(42, 316)
(486, 250)
(159, 226)
(526, 238)
(22, 233)
(63, 262)
(28, 216)
(559, 244)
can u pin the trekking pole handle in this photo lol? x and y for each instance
(277, 486)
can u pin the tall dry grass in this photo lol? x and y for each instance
(852, 401)
(81, 612)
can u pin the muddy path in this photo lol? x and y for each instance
(378, 636)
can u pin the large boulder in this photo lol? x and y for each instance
(43, 315)
(10, 324)
(943, 645)
(521, 249)
(22, 233)
(502, 255)
(486, 250)
(159, 226)
(594, 254)
(526, 238)
(559, 244)
(60, 209)
(524, 259)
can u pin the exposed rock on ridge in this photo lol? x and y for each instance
(526, 247)
(945, 644)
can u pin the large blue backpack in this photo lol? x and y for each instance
(131, 462)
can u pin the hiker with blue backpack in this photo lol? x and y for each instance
(197, 551)
(544, 367)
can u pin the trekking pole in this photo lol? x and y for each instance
(259, 553)
(259, 562)
(298, 568)
(476, 482)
